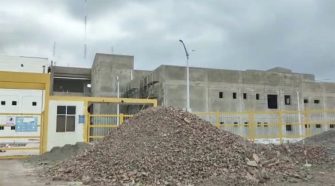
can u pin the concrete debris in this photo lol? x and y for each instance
(167, 146)
(57, 154)
(252, 163)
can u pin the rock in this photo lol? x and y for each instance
(252, 163)
(256, 158)
(165, 145)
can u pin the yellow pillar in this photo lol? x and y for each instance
(280, 126)
(217, 119)
(251, 126)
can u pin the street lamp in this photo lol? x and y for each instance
(188, 108)
(118, 105)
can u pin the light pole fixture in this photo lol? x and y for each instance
(118, 105)
(188, 107)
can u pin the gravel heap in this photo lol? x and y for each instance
(57, 154)
(167, 146)
(325, 139)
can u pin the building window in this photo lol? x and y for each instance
(244, 95)
(287, 99)
(2, 128)
(259, 124)
(34, 103)
(272, 101)
(316, 101)
(14, 103)
(234, 95)
(307, 126)
(12, 128)
(3, 102)
(245, 124)
(235, 124)
(266, 124)
(306, 100)
(257, 96)
(318, 126)
(221, 122)
(66, 119)
(332, 126)
(288, 128)
(220, 94)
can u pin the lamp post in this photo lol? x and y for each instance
(118, 105)
(188, 108)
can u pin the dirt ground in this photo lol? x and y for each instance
(17, 172)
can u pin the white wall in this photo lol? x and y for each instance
(24, 64)
(27, 101)
(62, 138)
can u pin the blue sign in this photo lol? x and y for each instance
(26, 124)
(81, 119)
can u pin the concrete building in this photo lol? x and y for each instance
(211, 90)
(268, 92)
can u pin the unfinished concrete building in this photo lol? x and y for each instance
(212, 90)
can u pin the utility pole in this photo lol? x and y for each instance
(118, 96)
(188, 107)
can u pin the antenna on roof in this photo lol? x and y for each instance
(85, 22)
(54, 50)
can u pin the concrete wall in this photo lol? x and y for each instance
(105, 69)
(206, 85)
(24, 64)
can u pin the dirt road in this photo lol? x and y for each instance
(15, 172)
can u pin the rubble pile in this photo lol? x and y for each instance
(167, 146)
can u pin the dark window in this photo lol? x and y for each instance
(318, 126)
(307, 126)
(316, 101)
(245, 124)
(287, 99)
(305, 100)
(14, 103)
(12, 128)
(71, 110)
(234, 95)
(34, 103)
(257, 96)
(66, 119)
(288, 128)
(235, 124)
(332, 126)
(3, 102)
(221, 122)
(265, 124)
(2, 127)
(259, 124)
(61, 109)
(272, 101)
(220, 94)
(244, 95)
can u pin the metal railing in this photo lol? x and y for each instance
(15, 139)
(273, 126)
(263, 127)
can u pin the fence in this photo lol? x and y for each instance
(101, 124)
(20, 134)
(273, 126)
(263, 127)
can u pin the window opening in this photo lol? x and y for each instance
(287, 99)
(272, 101)
(220, 94)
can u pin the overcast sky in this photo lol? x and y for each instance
(230, 34)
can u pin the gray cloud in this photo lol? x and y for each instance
(229, 34)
